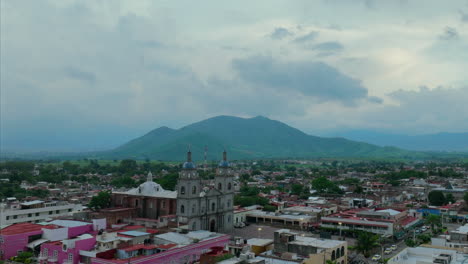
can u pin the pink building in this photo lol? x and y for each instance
(75, 228)
(184, 254)
(66, 251)
(15, 238)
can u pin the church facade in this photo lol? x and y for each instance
(201, 207)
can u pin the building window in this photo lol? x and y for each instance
(46, 252)
(51, 212)
(220, 186)
(229, 186)
(229, 203)
(342, 251)
(37, 214)
(136, 203)
(194, 226)
(213, 206)
(151, 205)
(333, 255)
(229, 219)
(29, 215)
(8, 217)
(57, 211)
(1, 239)
(15, 217)
(163, 205)
(194, 190)
(55, 253)
(182, 190)
(182, 209)
(193, 209)
(70, 257)
(69, 210)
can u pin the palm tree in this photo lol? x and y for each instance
(432, 220)
(366, 242)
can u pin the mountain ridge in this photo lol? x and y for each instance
(245, 138)
(442, 141)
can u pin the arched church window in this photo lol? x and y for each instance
(213, 206)
(182, 209)
(219, 186)
(194, 190)
(229, 219)
(182, 190)
(229, 186)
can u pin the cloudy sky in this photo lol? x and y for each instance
(79, 75)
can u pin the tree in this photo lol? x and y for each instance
(102, 200)
(433, 220)
(366, 242)
(465, 197)
(410, 242)
(128, 166)
(296, 188)
(322, 185)
(359, 189)
(436, 198)
(449, 198)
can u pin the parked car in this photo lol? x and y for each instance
(394, 247)
(387, 251)
(376, 257)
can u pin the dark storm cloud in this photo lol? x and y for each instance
(306, 38)
(280, 33)
(81, 75)
(315, 79)
(449, 33)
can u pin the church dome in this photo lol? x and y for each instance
(223, 163)
(188, 165)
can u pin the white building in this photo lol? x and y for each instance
(456, 239)
(426, 255)
(35, 211)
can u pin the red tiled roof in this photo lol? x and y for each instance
(138, 247)
(133, 227)
(166, 246)
(152, 231)
(22, 228)
(407, 220)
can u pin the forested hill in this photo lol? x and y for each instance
(246, 138)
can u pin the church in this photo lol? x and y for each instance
(205, 208)
(199, 207)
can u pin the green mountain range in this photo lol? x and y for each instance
(247, 138)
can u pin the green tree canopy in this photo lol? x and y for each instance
(366, 242)
(102, 200)
(436, 198)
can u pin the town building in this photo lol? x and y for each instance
(423, 255)
(205, 208)
(456, 239)
(291, 245)
(149, 200)
(384, 222)
(36, 211)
